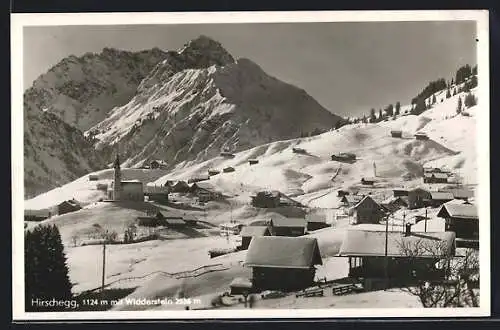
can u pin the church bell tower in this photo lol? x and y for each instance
(117, 183)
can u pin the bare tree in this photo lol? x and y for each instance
(456, 275)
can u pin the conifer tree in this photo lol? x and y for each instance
(46, 272)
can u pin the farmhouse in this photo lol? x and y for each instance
(249, 232)
(416, 198)
(291, 227)
(283, 263)
(368, 211)
(435, 177)
(464, 221)
(397, 133)
(344, 157)
(266, 199)
(68, 206)
(351, 200)
(421, 136)
(438, 199)
(368, 181)
(409, 255)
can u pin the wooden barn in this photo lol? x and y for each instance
(368, 181)
(249, 232)
(462, 219)
(438, 198)
(291, 227)
(421, 136)
(68, 206)
(346, 157)
(266, 199)
(435, 177)
(417, 197)
(283, 263)
(410, 255)
(397, 134)
(368, 211)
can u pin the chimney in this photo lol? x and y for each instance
(407, 229)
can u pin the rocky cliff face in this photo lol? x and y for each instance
(200, 101)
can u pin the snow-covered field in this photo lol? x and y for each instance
(312, 179)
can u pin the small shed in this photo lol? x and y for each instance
(93, 177)
(397, 133)
(283, 263)
(228, 169)
(368, 181)
(421, 136)
(464, 221)
(249, 232)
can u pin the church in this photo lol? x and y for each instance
(124, 190)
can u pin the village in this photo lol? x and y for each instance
(391, 236)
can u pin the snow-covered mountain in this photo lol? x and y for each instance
(199, 101)
(81, 90)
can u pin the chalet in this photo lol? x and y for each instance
(368, 181)
(199, 179)
(249, 232)
(435, 177)
(68, 206)
(253, 161)
(93, 177)
(406, 260)
(344, 157)
(213, 172)
(315, 221)
(397, 134)
(368, 211)
(299, 150)
(400, 192)
(157, 164)
(351, 200)
(226, 154)
(464, 221)
(283, 263)
(421, 136)
(180, 187)
(291, 227)
(463, 194)
(438, 198)
(266, 199)
(342, 193)
(36, 215)
(416, 198)
(228, 169)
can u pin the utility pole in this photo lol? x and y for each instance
(103, 265)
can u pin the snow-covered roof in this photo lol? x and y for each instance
(283, 252)
(372, 243)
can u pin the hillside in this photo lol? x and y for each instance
(200, 101)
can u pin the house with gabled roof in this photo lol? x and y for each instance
(283, 263)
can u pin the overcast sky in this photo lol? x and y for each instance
(347, 67)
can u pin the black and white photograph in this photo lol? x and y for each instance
(222, 165)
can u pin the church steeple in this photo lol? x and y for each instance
(117, 183)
